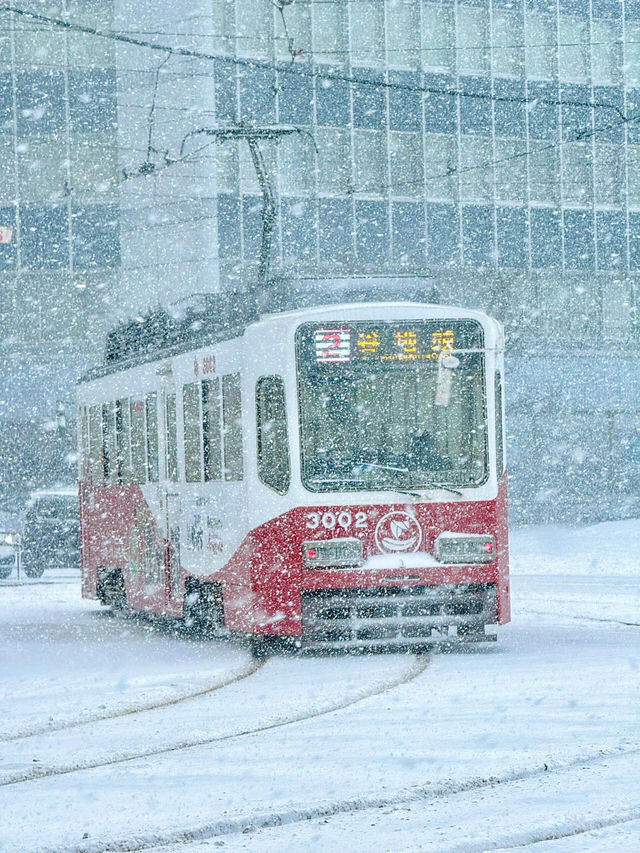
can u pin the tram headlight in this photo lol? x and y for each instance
(332, 553)
(464, 548)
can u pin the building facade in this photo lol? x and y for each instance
(492, 146)
(59, 246)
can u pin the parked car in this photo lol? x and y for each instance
(50, 532)
(7, 558)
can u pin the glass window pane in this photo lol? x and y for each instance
(334, 160)
(367, 31)
(477, 235)
(507, 41)
(441, 164)
(606, 52)
(372, 233)
(296, 39)
(476, 172)
(370, 155)
(546, 245)
(83, 443)
(443, 234)
(123, 451)
(408, 233)
(298, 228)
(227, 168)
(295, 100)
(211, 429)
(330, 32)
(336, 233)
(403, 33)
(472, 40)
(608, 174)
(475, 106)
(171, 438)
(577, 177)
(405, 157)
(109, 443)
(384, 426)
(296, 171)
(254, 27)
(273, 444)
(611, 230)
(513, 237)
(544, 173)
(573, 49)
(540, 51)
(192, 446)
(511, 169)
(93, 100)
(633, 173)
(579, 243)
(151, 404)
(632, 54)
(232, 426)
(96, 469)
(437, 37)
(138, 460)
(369, 100)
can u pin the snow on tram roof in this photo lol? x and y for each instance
(206, 318)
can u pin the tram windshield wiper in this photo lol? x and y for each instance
(377, 467)
(436, 486)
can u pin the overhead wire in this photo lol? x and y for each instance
(296, 69)
(127, 38)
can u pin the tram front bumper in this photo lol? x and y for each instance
(402, 616)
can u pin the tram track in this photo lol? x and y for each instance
(246, 824)
(253, 667)
(46, 772)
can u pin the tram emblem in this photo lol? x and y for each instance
(398, 532)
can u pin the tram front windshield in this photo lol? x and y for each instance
(383, 406)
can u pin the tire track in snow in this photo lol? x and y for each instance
(568, 832)
(36, 773)
(577, 618)
(223, 829)
(253, 667)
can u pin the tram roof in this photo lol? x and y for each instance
(209, 318)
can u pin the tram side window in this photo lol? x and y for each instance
(499, 426)
(138, 461)
(192, 446)
(151, 406)
(123, 461)
(109, 443)
(232, 426)
(96, 468)
(171, 438)
(83, 443)
(274, 468)
(211, 437)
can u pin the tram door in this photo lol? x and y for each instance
(170, 495)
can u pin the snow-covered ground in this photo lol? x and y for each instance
(120, 735)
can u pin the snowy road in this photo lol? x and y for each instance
(115, 735)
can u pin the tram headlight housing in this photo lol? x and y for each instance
(465, 548)
(332, 553)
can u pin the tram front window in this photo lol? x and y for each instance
(384, 422)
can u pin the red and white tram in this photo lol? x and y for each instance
(330, 477)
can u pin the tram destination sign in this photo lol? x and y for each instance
(386, 343)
